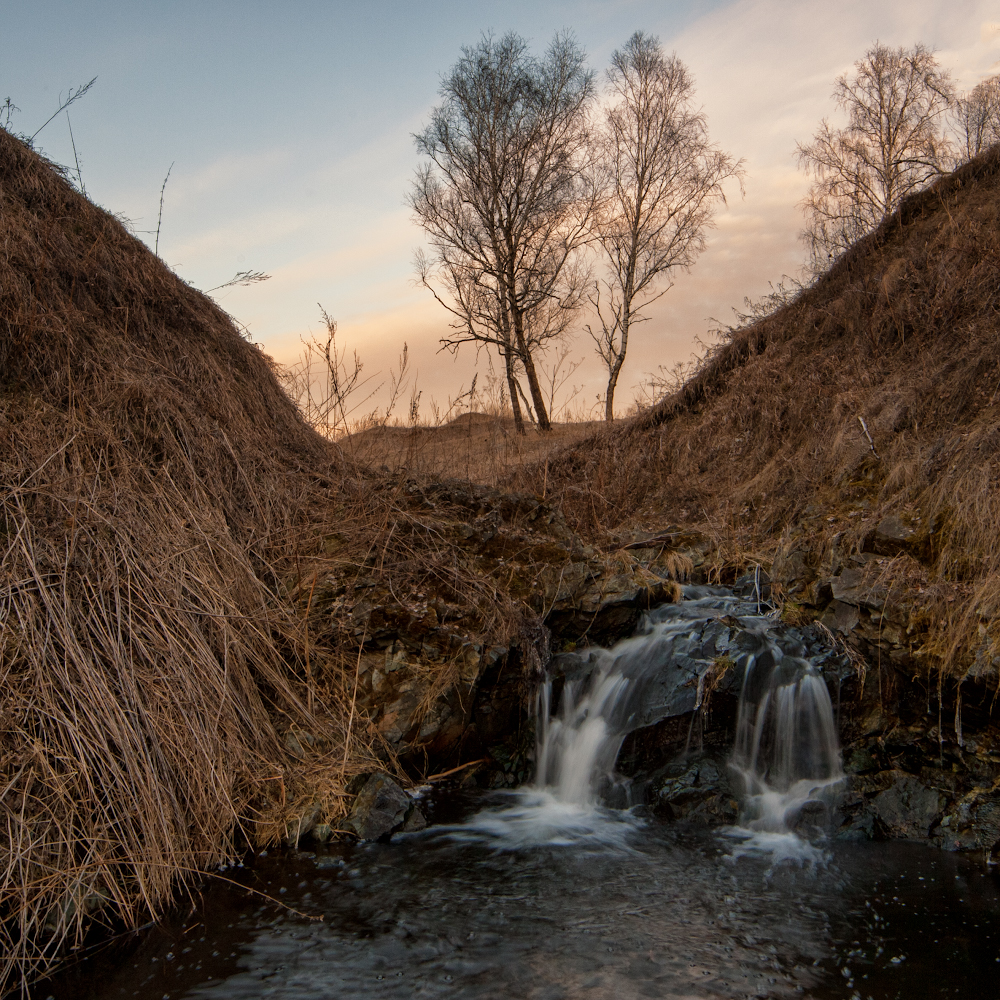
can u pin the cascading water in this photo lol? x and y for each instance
(579, 746)
(786, 753)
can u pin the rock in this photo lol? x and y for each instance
(892, 536)
(841, 617)
(849, 587)
(698, 792)
(590, 605)
(298, 827)
(908, 808)
(380, 808)
(415, 821)
(322, 832)
(812, 818)
(297, 742)
(421, 699)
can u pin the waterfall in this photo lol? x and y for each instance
(579, 747)
(787, 752)
(786, 755)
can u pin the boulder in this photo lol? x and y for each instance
(908, 808)
(891, 537)
(381, 807)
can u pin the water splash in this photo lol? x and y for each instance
(786, 755)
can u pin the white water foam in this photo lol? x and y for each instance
(538, 818)
(786, 755)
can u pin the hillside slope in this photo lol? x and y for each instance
(149, 467)
(860, 419)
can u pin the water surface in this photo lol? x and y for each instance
(628, 908)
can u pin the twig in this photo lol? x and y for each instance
(159, 218)
(354, 699)
(461, 767)
(76, 158)
(864, 427)
(241, 278)
(80, 91)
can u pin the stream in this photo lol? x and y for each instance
(569, 888)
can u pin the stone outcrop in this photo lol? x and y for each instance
(436, 692)
(381, 808)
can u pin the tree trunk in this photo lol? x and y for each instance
(613, 371)
(512, 388)
(529, 369)
(508, 360)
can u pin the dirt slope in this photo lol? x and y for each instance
(150, 464)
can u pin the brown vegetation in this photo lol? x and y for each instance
(874, 393)
(184, 561)
(478, 447)
(151, 472)
(177, 674)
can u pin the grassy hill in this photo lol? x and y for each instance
(863, 416)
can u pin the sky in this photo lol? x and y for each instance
(288, 130)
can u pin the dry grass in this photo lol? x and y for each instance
(171, 537)
(477, 447)
(182, 558)
(767, 438)
(153, 475)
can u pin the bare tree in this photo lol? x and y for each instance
(505, 201)
(977, 118)
(893, 144)
(661, 179)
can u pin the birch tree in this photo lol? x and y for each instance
(505, 199)
(893, 144)
(662, 179)
(977, 118)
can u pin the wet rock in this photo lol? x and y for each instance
(813, 818)
(698, 791)
(381, 807)
(908, 808)
(600, 608)
(415, 822)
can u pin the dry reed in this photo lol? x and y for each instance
(151, 475)
(177, 676)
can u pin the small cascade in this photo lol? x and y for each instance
(578, 748)
(786, 754)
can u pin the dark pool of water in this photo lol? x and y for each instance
(657, 912)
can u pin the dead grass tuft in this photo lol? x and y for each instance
(153, 477)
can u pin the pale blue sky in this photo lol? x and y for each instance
(290, 125)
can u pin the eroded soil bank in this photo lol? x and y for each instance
(922, 757)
